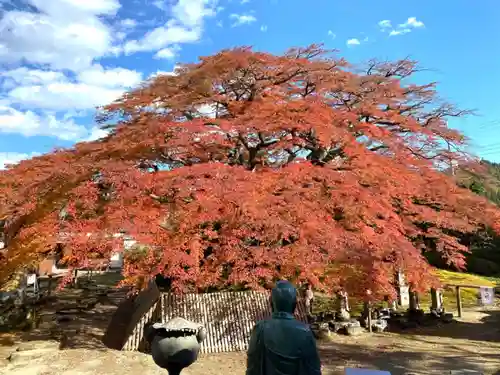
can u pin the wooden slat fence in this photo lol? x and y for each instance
(136, 339)
(228, 317)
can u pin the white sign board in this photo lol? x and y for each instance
(31, 279)
(362, 371)
(487, 295)
(404, 296)
(116, 260)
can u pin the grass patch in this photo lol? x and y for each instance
(461, 278)
(325, 303)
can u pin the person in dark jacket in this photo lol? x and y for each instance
(282, 345)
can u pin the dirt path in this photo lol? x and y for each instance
(68, 341)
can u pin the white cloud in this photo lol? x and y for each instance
(186, 26)
(63, 34)
(51, 90)
(263, 28)
(29, 123)
(162, 37)
(116, 77)
(96, 133)
(168, 53)
(353, 42)
(14, 157)
(331, 34)
(160, 4)
(65, 40)
(244, 1)
(385, 24)
(399, 32)
(75, 8)
(162, 72)
(403, 28)
(412, 22)
(63, 96)
(242, 19)
(24, 76)
(192, 12)
(128, 23)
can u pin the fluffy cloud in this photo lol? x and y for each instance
(128, 23)
(52, 90)
(76, 8)
(24, 76)
(242, 19)
(399, 32)
(116, 77)
(412, 22)
(14, 158)
(353, 42)
(63, 34)
(385, 24)
(29, 123)
(167, 53)
(185, 26)
(65, 40)
(161, 37)
(403, 28)
(96, 133)
(63, 96)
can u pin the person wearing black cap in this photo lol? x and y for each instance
(282, 345)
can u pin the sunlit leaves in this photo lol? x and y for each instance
(257, 167)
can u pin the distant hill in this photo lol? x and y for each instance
(485, 245)
(485, 183)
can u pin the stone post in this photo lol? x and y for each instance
(403, 290)
(342, 312)
(414, 301)
(437, 300)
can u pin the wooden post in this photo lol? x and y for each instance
(369, 317)
(49, 287)
(414, 301)
(436, 300)
(459, 301)
(369, 308)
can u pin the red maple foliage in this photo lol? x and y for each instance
(247, 167)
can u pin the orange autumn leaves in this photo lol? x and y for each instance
(247, 167)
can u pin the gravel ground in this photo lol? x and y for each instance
(470, 344)
(73, 346)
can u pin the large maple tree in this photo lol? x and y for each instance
(247, 167)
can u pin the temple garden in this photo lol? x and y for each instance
(66, 336)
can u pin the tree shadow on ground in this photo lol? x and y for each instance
(398, 361)
(485, 326)
(75, 317)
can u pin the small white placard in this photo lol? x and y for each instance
(31, 279)
(487, 295)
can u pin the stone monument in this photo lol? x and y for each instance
(403, 290)
(437, 301)
(342, 313)
(176, 344)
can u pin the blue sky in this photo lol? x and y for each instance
(61, 58)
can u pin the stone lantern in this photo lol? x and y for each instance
(176, 344)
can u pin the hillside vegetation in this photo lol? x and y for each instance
(325, 303)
